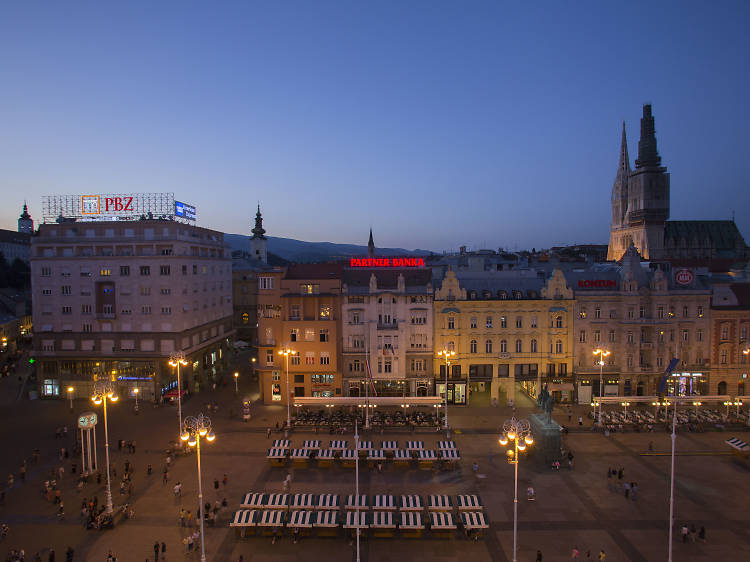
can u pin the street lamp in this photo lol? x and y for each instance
(236, 376)
(70, 395)
(626, 404)
(105, 390)
(519, 433)
(194, 429)
(177, 359)
(286, 352)
(602, 353)
(136, 390)
(446, 354)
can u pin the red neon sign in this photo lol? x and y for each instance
(597, 284)
(386, 262)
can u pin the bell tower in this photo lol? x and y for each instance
(25, 222)
(258, 241)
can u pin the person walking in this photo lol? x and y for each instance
(570, 414)
(189, 519)
(634, 490)
(684, 532)
(69, 554)
(620, 473)
(575, 554)
(626, 487)
(224, 481)
(163, 550)
(580, 421)
(183, 514)
(538, 556)
(602, 555)
(156, 551)
(702, 534)
(268, 435)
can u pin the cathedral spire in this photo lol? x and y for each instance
(370, 246)
(25, 222)
(258, 231)
(648, 156)
(624, 167)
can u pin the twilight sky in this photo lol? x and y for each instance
(437, 123)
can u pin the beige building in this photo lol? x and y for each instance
(121, 296)
(730, 330)
(511, 330)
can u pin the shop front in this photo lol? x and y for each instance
(688, 384)
(456, 392)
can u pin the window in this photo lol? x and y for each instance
(612, 337)
(488, 346)
(630, 337)
(582, 313)
(488, 322)
(473, 346)
(558, 346)
(184, 270)
(67, 310)
(86, 328)
(660, 312)
(146, 309)
(165, 291)
(107, 309)
(503, 322)
(612, 313)
(269, 357)
(503, 346)
(324, 312)
(309, 358)
(309, 288)
(418, 318)
(417, 364)
(724, 331)
(641, 311)
(195, 270)
(65, 289)
(294, 312)
(294, 334)
(723, 357)
(533, 346)
(699, 335)
(684, 311)
(558, 322)
(46, 272)
(164, 270)
(126, 311)
(356, 317)
(630, 361)
(324, 334)
(660, 362)
(597, 336)
(473, 322)
(309, 334)
(582, 336)
(322, 378)
(661, 336)
(519, 346)
(166, 310)
(145, 291)
(356, 366)
(47, 292)
(597, 312)
(105, 272)
(685, 335)
(295, 360)
(743, 333)
(451, 323)
(245, 318)
(388, 365)
(519, 322)
(700, 311)
(631, 314)
(85, 309)
(264, 283)
(145, 270)
(533, 321)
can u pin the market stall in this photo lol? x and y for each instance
(339, 445)
(439, 502)
(364, 447)
(442, 524)
(276, 501)
(302, 520)
(280, 444)
(311, 445)
(411, 502)
(300, 458)
(468, 503)
(401, 458)
(411, 525)
(303, 501)
(383, 524)
(351, 502)
(474, 523)
(328, 502)
(413, 447)
(384, 502)
(242, 520)
(271, 522)
(348, 458)
(375, 456)
(326, 522)
(427, 459)
(325, 457)
(446, 445)
(389, 447)
(253, 501)
(277, 456)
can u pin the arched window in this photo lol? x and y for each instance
(473, 346)
(503, 346)
(558, 322)
(502, 295)
(533, 346)
(519, 346)
(722, 388)
(488, 346)
(558, 346)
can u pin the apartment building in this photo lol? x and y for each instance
(730, 330)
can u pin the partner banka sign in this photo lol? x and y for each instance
(386, 262)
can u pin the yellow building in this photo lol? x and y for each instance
(510, 330)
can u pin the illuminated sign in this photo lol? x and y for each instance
(184, 211)
(597, 284)
(386, 262)
(113, 206)
(684, 276)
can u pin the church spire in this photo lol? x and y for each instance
(624, 167)
(258, 231)
(648, 156)
(25, 222)
(370, 246)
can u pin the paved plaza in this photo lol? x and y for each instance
(574, 508)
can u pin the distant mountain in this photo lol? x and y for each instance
(305, 252)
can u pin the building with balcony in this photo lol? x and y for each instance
(119, 297)
(730, 330)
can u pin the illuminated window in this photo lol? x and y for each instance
(105, 272)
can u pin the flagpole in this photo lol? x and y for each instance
(671, 483)
(367, 382)
(356, 485)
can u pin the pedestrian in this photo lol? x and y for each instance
(189, 519)
(132, 447)
(575, 554)
(702, 534)
(216, 483)
(111, 557)
(165, 478)
(620, 473)
(634, 490)
(183, 513)
(570, 414)
(580, 420)
(602, 555)
(69, 554)
(225, 480)
(190, 543)
(268, 433)
(538, 556)
(149, 470)
(684, 532)
(156, 551)
(163, 550)
(693, 532)
(51, 557)
(626, 487)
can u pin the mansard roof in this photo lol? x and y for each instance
(723, 235)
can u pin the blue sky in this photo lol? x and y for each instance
(437, 123)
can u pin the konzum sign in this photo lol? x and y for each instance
(597, 284)
(386, 262)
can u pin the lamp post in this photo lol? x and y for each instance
(196, 428)
(177, 359)
(519, 433)
(236, 376)
(286, 352)
(446, 354)
(105, 390)
(70, 396)
(136, 390)
(602, 353)
(626, 404)
(696, 404)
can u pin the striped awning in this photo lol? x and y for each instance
(441, 520)
(338, 445)
(738, 444)
(303, 500)
(328, 501)
(327, 519)
(427, 455)
(326, 454)
(312, 444)
(348, 454)
(364, 445)
(243, 518)
(280, 444)
(411, 520)
(383, 501)
(411, 502)
(276, 501)
(474, 520)
(299, 454)
(302, 518)
(450, 454)
(277, 453)
(383, 520)
(351, 502)
(445, 445)
(414, 445)
(376, 454)
(401, 455)
(439, 502)
(271, 518)
(468, 502)
(253, 500)
(351, 520)
(389, 445)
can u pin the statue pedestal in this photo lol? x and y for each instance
(547, 438)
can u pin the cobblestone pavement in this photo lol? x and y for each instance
(573, 507)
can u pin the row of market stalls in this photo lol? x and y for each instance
(302, 514)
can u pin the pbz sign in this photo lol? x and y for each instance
(99, 204)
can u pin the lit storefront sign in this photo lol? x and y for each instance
(386, 262)
(597, 284)
(114, 206)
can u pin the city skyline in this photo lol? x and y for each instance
(436, 126)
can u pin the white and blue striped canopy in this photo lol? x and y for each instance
(427, 455)
(376, 454)
(474, 520)
(351, 502)
(450, 454)
(414, 445)
(339, 444)
(326, 454)
(411, 502)
(446, 445)
(389, 445)
(276, 501)
(328, 501)
(383, 501)
(312, 444)
(243, 518)
(365, 445)
(348, 454)
(383, 520)
(351, 520)
(271, 518)
(439, 502)
(253, 500)
(738, 444)
(468, 502)
(303, 500)
(277, 453)
(280, 444)
(441, 520)
(303, 518)
(298, 454)
(411, 520)
(401, 455)
(327, 518)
